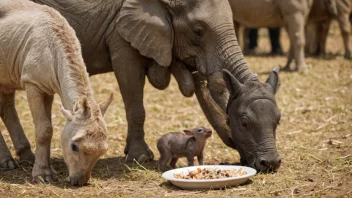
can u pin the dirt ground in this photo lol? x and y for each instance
(314, 137)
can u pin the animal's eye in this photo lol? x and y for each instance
(245, 122)
(199, 130)
(198, 31)
(74, 147)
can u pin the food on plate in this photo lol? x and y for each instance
(210, 173)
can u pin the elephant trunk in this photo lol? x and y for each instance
(214, 114)
(229, 57)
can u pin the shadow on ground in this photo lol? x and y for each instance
(105, 169)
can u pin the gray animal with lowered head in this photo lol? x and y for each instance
(174, 145)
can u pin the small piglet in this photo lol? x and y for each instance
(174, 145)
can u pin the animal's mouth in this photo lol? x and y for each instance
(260, 166)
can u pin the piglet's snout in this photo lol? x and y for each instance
(209, 132)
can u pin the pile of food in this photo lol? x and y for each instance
(210, 174)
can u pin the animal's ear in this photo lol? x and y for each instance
(232, 84)
(104, 105)
(146, 24)
(78, 137)
(273, 81)
(188, 132)
(66, 113)
(81, 109)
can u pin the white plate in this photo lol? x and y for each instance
(208, 183)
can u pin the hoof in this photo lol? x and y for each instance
(9, 164)
(43, 175)
(43, 179)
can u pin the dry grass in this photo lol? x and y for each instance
(314, 137)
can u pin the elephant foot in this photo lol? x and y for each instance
(43, 175)
(138, 150)
(9, 164)
(27, 158)
(302, 69)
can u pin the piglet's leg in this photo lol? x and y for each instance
(40, 106)
(200, 158)
(190, 159)
(165, 158)
(173, 162)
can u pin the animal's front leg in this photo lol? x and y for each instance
(200, 158)
(190, 160)
(40, 106)
(10, 118)
(345, 27)
(129, 68)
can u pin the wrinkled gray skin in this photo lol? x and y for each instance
(175, 145)
(291, 14)
(319, 22)
(135, 38)
(252, 116)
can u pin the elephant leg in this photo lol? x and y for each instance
(40, 106)
(296, 23)
(250, 40)
(129, 68)
(274, 34)
(345, 27)
(290, 56)
(323, 32)
(10, 118)
(6, 160)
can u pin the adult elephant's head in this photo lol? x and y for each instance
(196, 35)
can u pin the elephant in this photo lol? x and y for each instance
(251, 36)
(157, 38)
(318, 26)
(291, 14)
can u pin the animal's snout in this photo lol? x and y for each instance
(268, 164)
(79, 179)
(209, 132)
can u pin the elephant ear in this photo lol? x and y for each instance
(146, 24)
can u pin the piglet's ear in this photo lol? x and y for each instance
(188, 132)
(66, 113)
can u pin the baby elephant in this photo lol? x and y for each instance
(174, 145)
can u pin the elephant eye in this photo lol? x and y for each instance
(198, 31)
(246, 123)
(74, 147)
